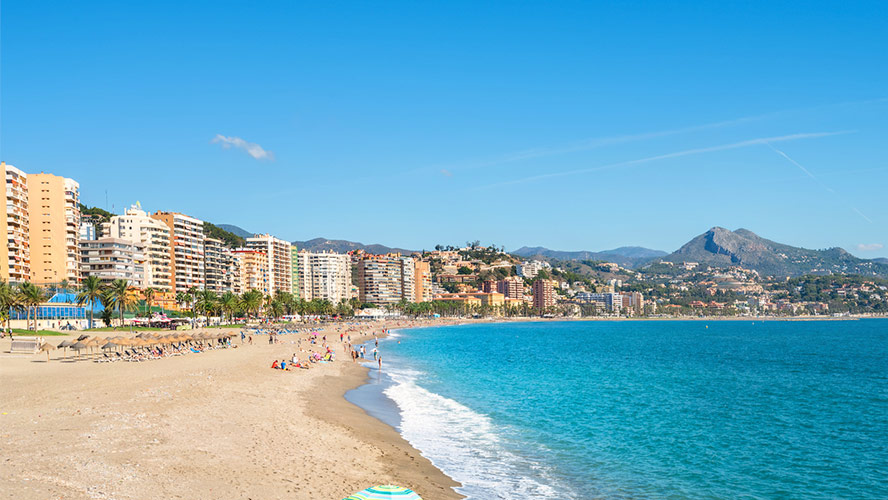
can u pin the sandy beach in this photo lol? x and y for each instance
(216, 424)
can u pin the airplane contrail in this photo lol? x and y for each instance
(677, 154)
(818, 181)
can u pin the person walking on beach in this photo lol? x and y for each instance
(242, 336)
(362, 352)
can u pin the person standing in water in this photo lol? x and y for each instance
(379, 360)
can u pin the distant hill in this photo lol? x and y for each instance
(881, 260)
(342, 246)
(237, 231)
(227, 237)
(720, 247)
(625, 256)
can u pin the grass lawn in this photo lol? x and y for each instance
(39, 333)
(125, 329)
(228, 326)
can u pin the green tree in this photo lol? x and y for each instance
(119, 296)
(206, 302)
(9, 301)
(32, 296)
(91, 289)
(229, 303)
(149, 299)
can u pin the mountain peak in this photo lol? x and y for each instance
(720, 247)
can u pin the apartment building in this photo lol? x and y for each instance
(111, 259)
(422, 279)
(253, 270)
(186, 250)
(53, 229)
(612, 302)
(221, 267)
(324, 275)
(530, 269)
(512, 287)
(294, 270)
(543, 294)
(137, 227)
(279, 260)
(15, 265)
(386, 279)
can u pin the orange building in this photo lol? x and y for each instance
(54, 229)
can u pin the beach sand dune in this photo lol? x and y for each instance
(219, 424)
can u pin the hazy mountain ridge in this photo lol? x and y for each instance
(342, 246)
(238, 231)
(324, 244)
(625, 256)
(720, 247)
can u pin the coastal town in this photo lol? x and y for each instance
(69, 267)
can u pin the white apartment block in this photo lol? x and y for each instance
(136, 226)
(111, 259)
(324, 275)
(530, 269)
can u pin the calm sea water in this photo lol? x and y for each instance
(648, 409)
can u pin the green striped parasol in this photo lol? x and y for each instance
(384, 492)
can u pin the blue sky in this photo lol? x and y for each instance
(568, 125)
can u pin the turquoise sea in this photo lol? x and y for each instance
(644, 409)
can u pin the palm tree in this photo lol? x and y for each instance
(149, 299)
(191, 294)
(9, 300)
(276, 308)
(206, 302)
(229, 303)
(120, 294)
(90, 291)
(32, 296)
(252, 301)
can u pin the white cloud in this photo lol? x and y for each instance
(870, 247)
(252, 149)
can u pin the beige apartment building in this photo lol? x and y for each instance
(253, 270)
(221, 267)
(386, 279)
(324, 276)
(186, 250)
(279, 260)
(54, 229)
(137, 227)
(15, 266)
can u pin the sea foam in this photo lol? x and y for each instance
(466, 445)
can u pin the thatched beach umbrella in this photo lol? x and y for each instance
(46, 347)
(78, 346)
(65, 344)
(82, 337)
